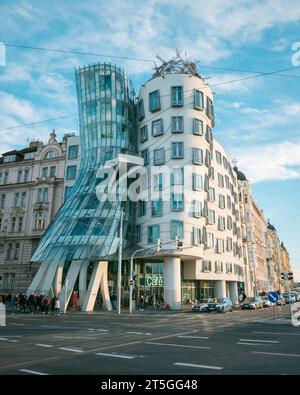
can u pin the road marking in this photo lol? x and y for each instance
(74, 337)
(193, 365)
(33, 372)
(3, 338)
(252, 344)
(276, 353)
(16, 323)
(44, 345)
(176, 345)
(70, 349)
(13, 341)
(8, 340)
(259, 341)
(139, 333)
(103, 354)
(279, 333)
(194, 337)
(97, 330)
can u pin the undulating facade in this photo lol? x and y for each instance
(152, 160)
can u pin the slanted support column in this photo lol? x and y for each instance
(220, 289)
(72, 275)
(233, 292)
(83, 282)
(99, 276)
(172, 282)
(34, 286)
(57, 284)
(46, 287)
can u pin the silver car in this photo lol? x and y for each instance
(221, 305)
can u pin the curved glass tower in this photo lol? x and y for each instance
(86, 229)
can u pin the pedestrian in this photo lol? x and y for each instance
(16, 302)
(154, 301)
(57, 306)
(8, 301)
(52, 304)
(46, 305)
(142, 302)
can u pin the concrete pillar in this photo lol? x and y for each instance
(72, 275)
(83, 282)
(172, 282)
(233, 292)
(46, 287)
(220, 289)
(57, 283)
(99, 276)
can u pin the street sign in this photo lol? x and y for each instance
(273, 297)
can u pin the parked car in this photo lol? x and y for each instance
(221, 305)
(201, 306)
(252, 303)
(296, 294)
(289, 298)
(266, 302)
(281, 301)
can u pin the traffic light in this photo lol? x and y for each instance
(290, 276)
(179, 243)
(158, 245)
(282, 275)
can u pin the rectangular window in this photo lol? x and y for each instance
(19, 178)
(206, 266)
(5, 181)
(153, 234)
(154, 101)
(228, 202)
(138, 233)
(20, 224)
(26, 175)
(221, 201)
(159, 156)
(229, 244)
(9, 158)
(29, 155)
(221, 223)
(208, 134)
(229, 222)
(219, 267)
(196, 236)
(227, 183)
(144, 133)
(209, 108)
(141, 208)
(2, 200)
(177, 124)
(23, 199)
(43, 195)
(221, 180)
(211, 173)
(157, 182)
(211, 217)
(177, 96)
(197, 126)
(177, 202)
(176, 229)
(197, 208)
(177, 150)
(73, 152)
(207, 158)
(156, 208)
(197, 182)
(13, 224)
(71, 172)
(52, 171)
(210, 240)
(45, 172)
(219, 157)
(177, 176)
(197, 156)
(157, 127)
(145, 156)
(17, 199)
(198, 100)
(141, 110)
(16, 251)
(211, 195)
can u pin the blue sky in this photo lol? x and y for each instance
(258, 120)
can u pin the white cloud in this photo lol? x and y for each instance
(275, 161)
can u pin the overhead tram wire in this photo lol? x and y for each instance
(85, 53)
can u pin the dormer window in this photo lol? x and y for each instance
(9, 158)
(51, 154)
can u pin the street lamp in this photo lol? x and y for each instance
(66, 293)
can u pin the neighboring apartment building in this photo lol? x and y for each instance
(31, 192)
(274, 259)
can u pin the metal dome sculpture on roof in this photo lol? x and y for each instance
(175, 65)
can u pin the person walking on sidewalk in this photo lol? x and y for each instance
(57, 307)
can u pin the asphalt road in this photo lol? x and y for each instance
(242, 342)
